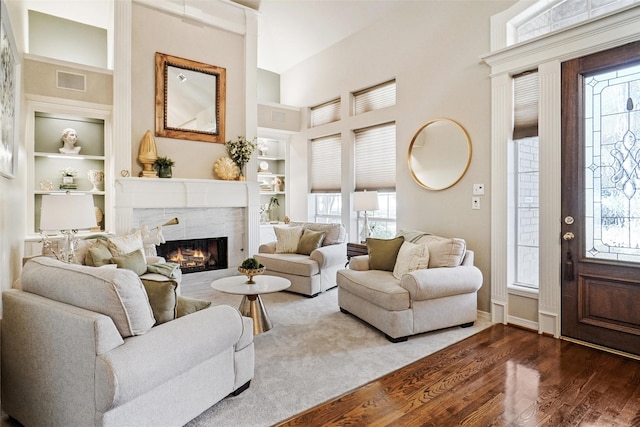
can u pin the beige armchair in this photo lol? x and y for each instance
(425, 299)
(311, 270)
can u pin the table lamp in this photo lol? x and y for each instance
(364, 201)
(66, 213)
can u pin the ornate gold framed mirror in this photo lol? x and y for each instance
(190, 99)
(439, 154)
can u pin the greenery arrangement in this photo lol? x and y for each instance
(163, 162)
(251, 264)
(241, 150)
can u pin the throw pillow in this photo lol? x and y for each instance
(310, 241)
(383, 253)
(446, 252)
(287, 239)
(163, 298)
(188, 305)
(98, 255)
(411, 257)
(133, 261)
(123, 245)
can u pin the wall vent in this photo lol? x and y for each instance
(71, 81)
(279, 116)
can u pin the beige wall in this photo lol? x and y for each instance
(191, 41)
(433, 50)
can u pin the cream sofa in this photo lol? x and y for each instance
(79, 348)
(415, 301)
(310, 271)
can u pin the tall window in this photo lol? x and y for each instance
(375, 169)
(526, 185)
(326, 182)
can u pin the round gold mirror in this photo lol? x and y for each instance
(439, 154)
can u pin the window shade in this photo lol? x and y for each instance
(325, 113)
(375, 98)
(525, 105)
(375, 158)
(326, 169)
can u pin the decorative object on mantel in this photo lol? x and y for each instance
(226, 169)
(147, 155)
(68, 179)
(69, 138)
(240, 152)
(125, 173)
(251, 267)
(96, 177)
(163, 166)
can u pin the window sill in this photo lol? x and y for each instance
(522, 291)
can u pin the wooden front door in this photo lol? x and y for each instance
(601, 198)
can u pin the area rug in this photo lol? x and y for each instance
(315, 353)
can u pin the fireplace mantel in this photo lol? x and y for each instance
(162, 193)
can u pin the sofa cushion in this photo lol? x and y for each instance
(117, 293)
(411, 257)
(287, 239)
(296, 264)
(336, 233)
(310, 241)
(188, 305)
(122, 245)
(376, 286)
(383, 252)
(98, 254)
(133, 261)
(163, 298)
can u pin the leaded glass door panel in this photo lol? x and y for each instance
(601, 198)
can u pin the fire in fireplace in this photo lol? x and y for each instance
(196, 254)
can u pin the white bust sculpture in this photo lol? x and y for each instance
(69, 138)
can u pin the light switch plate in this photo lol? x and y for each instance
(478, 189)
(475, 203)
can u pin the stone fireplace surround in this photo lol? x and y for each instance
(205, 208)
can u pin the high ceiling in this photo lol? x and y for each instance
(289, 31)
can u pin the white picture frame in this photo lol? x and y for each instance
(9, 96)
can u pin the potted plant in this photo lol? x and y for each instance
(240, 152)
(163, 166)
(251, 267)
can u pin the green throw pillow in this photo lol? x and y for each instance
(310, 241)
(163, 298)
(98, 255)
(188, 305)
(383, 253)
(133, 261)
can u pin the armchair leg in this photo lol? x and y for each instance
(467, 325)
(396, 340)
(242, 388)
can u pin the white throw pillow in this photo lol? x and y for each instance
(123, 245)
(411, 257)
(287, 239)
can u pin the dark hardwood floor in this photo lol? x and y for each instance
(502, 376)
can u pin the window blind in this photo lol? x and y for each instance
(326, 167)
(325, 113)
(375, 98)
(525, 105)
(375, 158)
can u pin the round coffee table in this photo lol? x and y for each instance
(251, 304)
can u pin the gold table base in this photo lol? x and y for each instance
(252, 306)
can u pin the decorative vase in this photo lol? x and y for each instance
(96, 177)
(274, 214)
(250, 273)
(164, 172)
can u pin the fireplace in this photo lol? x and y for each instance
(195, 255)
